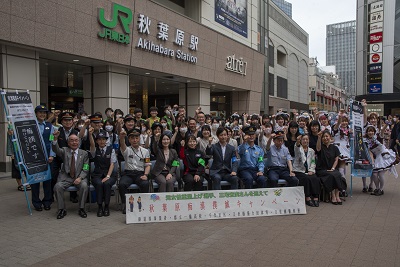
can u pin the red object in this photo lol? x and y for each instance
(375, 37)
(375, 58)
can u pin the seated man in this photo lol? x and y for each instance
(280, 161)
(224, 165)
(251, 160)
(74, 171)
(137, 164)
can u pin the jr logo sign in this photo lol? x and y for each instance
(121, 14)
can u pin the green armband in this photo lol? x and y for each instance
(51, 137)
(260, 159)
(202, 162)
(85, 167)
(175, 163)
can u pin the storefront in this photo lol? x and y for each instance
(123, 55)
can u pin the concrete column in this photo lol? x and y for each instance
(247, 101)
(198, 94)
(19, 70)
(110, 88)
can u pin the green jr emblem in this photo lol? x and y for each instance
(121, 14)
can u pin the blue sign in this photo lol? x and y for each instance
(375, 88)
(232, 14)
(375, 68)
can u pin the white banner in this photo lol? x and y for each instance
(376, 27)
(218, 204)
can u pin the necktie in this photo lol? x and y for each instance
(102, 153)
(72, 168)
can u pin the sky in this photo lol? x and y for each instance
(314, 15)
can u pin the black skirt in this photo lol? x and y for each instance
(332, 180)
(311, 183)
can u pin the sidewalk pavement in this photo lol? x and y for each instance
(364, 231)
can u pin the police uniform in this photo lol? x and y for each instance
(95, 118)
(46, 129)
(135, 162)
(102, 159)
(251, 162)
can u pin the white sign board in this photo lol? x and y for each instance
(217, 204)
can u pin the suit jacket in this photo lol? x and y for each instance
(300, 158)
(229, 162)
(160, 162)
(65, 154)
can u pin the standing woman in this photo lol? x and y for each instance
(341, 139)
(154, 137)
(328, 157)
(384, 159)
(167, 161)
(291, 137)
(313, 129)
(304, 168)
(193, 159)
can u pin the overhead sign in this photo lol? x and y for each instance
(375, 37)
(163, 35)
(376, 17)
(375, 78)
(212, 205)
(376, 27)
(232, 14)
(375, 58)
(236, 65)
(120, 15)
(375, 88)
(375, 68)
(375, 48)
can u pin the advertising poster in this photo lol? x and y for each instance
(375, 88)
(361, 164)
(232, 14)
(211, 205)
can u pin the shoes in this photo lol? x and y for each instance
(310, 203)
(365, 190)
(106, 211)
(370, 189)
(100, 212)
(339, 203)
(123, 209)
(73, 199)
(38, 208)
(47, 208)
(379, 192)
(375, 191)
(82, 213)
(316, 203)
(61, 214)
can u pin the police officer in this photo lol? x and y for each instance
(46, 129)
(96, 122)
(103, 176)
(251, 160)
(137, 164)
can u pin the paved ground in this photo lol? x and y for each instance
(363, 232)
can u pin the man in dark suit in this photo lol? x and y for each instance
(74, 171)
(224, 165)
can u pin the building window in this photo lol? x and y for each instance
(282, 88)
(281, 58)
(271, 84)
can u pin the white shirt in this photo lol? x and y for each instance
(136, 159)
(223, 148)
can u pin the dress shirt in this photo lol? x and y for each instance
(223, 148)
(278, 157)
(251, 157)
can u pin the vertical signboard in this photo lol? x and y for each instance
(375, 39)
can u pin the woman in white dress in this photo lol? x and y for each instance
(384, 159)
(341, 138)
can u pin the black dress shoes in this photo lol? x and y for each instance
(61, 214)
(38, 208)
(100, 212)
(106, 211)
(310, 203)
(316, 203)
(47, 208)
(82, 213)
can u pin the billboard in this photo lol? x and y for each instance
(375, 37)
(375, 78)
(375, 58)
(376, 17)
(375, 88)
(375, 68)
(232, 14)
(376, 27)
(375, 48)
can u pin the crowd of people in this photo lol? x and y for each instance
(309, 150)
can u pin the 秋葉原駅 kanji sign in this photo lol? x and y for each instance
(120, 14)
